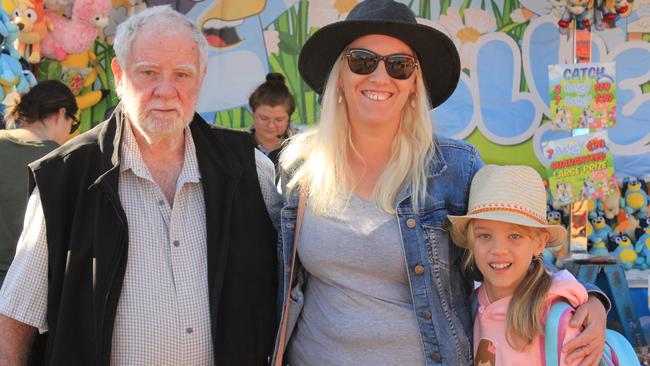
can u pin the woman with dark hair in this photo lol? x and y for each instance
(39, 122)
(272, 105)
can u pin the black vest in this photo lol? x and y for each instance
(87, 235)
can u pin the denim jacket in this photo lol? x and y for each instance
(439, 293)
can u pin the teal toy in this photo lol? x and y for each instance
(642, 245)
(12, 75)
(599, 249)
(634, 199)
(600, 230)
(625, 252)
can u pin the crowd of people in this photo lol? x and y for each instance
(157, 239)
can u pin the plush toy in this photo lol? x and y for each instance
(626, 223)
(599, 249)
(625, 252)
(12, 75)
(601, 230)
(76, 35)
(642, 245)
(86, 61)
(610, 205)
(33, 25)
(606, 11)
(635, 199)
(577, 10)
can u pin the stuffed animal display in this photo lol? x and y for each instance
(618, 225)
(585, 13)
(13, 77)
(77, 34)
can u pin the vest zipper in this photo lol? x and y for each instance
(105, 342)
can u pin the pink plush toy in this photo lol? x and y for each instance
(75, 35)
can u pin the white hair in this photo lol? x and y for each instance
(160, 16)
(318, 158)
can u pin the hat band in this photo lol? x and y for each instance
(511, 208)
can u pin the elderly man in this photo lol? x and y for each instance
(149, 240)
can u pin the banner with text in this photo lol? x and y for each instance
(583, 95)
(580, 167)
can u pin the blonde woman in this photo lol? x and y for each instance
(374, 278)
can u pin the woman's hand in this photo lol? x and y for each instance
(588, 345)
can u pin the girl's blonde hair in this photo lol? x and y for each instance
(522, 324)
(317, 159)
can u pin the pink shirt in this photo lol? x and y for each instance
(490, 345)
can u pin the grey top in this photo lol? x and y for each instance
(358, 308)
(14, 181)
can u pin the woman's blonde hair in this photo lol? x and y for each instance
(522, 324)
(318, 159)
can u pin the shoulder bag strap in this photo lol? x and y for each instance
(302, 202)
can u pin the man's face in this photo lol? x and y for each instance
(160, 84)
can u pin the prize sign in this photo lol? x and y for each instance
(583, 96)
(580, 167)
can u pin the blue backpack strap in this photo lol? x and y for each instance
(618, 350)
(556, 321)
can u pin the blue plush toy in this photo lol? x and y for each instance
(625, 252)
(599, 249)
(642, 245)
(634, 199)
(12, 74)
(601, 230)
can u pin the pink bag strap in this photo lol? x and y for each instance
(302, 202)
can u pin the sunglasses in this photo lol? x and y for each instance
(75, 122)
(398, 66)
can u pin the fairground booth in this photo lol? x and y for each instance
(559, 85)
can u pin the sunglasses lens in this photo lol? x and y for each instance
(75, 124)
(362, 62)
(400, 67)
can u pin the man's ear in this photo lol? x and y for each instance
(117, 70)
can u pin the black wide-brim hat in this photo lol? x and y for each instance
(437, 55)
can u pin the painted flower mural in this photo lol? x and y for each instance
(466, 29)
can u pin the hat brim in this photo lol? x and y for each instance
(437, 54)
(557, 233)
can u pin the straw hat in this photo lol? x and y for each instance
(437, 55)
(513, 194)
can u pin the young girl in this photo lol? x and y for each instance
(504, 232)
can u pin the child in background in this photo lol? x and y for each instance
(504, 232)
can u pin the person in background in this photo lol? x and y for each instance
(376, 279)
(272, 105)
(40, 121)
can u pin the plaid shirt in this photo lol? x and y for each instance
(163, 312)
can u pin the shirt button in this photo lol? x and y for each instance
(426, 314)
(410, 223)
(419, 269)
(177, 243)
(161, 203)
(189, 330)
(436, 357)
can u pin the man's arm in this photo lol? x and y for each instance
(16, 340)
(23, 297)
